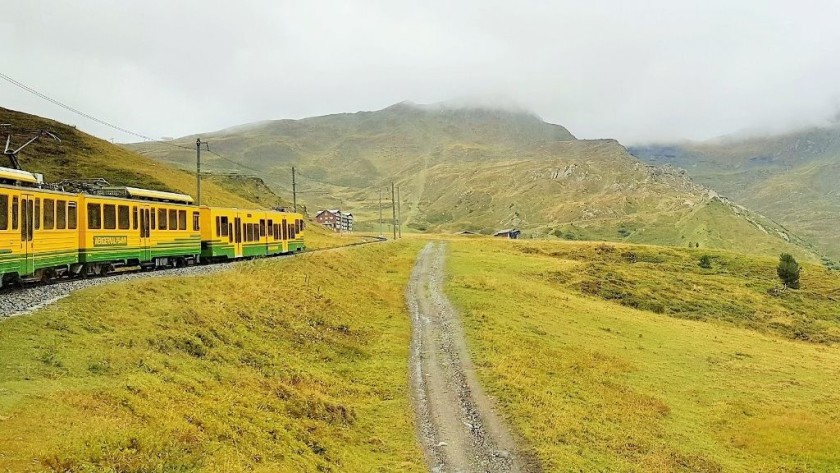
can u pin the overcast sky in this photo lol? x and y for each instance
(631, 70)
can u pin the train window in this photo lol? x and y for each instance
(229, 231)
(182, 220)
(283, 230)
(276, 231)
(173, 219)
(196, 222)
(262, 228)
(37, 214)
(15, 213)
(152, 214)
(61, 214)
(109, 216)
(4, 212)
(72, 217)
(123, 219)
(270, 228)
(302, 225)
(225, 228)
(161, 219)
(94, 212)
(49, 214)
(134, 215)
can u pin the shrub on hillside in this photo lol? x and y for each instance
(705, 262)
(788, 271)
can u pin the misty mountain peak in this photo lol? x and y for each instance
(488, 105)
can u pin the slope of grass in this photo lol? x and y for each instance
(738, 289)
(80, 156)
(295, 364)
(597, 386)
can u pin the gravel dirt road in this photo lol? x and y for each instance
(456, 422)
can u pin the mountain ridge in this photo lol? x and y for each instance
(790, 177)
(482, 169)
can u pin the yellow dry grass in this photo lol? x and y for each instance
(594, 385)
(294, 364)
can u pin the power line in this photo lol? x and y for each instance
(83, 114)
(257, 172)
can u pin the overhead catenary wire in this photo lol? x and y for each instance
(115, 127)
(146, 138)
(83, 114)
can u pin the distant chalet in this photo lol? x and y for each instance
(511, 233)
(335, 220)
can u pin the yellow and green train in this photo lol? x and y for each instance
(46, 234)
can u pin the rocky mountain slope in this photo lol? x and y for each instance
(791, 178)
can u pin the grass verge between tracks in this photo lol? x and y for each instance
(595, 385)
(276, 365)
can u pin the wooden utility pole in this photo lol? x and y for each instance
(380, 212)
(198, 170)
(294, 190)
(399, 213)
(393, 211)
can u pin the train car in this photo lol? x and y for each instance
(295, 232)
(238, 233)
(275, 243)
(128, 226)
(38, 229)
(231, 233)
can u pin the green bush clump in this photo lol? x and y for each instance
(788, 271)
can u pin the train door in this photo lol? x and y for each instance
(237, 239)
(27, 226)
(145, 234)
(284, 233)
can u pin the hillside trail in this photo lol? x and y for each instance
(457, 426)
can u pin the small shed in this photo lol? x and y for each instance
(511, 233)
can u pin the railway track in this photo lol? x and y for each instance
(21, 301)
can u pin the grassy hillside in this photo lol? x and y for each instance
(791, 178)
(484, 170)
(658, 365)
(283, 365)
(80, 156)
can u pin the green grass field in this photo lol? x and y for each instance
(700, 385)
(296, 364)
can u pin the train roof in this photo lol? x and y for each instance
(18, 175)
(146, 194)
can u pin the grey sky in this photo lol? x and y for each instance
(632, 70)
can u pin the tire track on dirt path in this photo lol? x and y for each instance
(456, 423)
